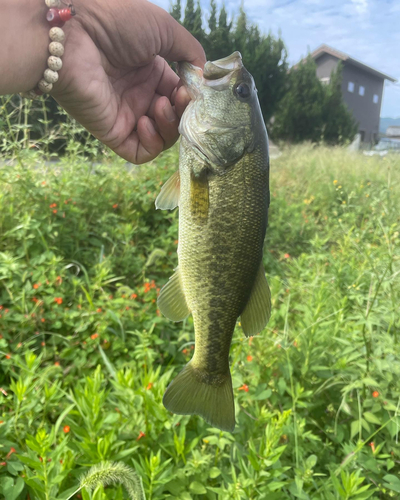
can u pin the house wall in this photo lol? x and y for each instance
(325, 65)
(365, 111)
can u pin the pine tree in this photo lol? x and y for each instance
(300, 113)
(339, 123)
(189, 19)
(212, 21)
(176, 11)
(197, 30)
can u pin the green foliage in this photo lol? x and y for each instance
(312, 111)
(340, 125)
(300, 113)
(264, 56)
(86, 358)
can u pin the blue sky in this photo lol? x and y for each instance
(367, 30)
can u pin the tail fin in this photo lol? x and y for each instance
(189, 395)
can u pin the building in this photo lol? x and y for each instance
(393, 131)
(362, 88)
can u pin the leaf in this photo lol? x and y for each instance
(214, 472)
(370, 417)
(108, 364)
(393, 482)
(355, 426)
(197, 488)
(264, 395)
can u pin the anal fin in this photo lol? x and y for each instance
(168, 197)
(258, 308)
(172, 301)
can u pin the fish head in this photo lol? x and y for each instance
(224, 118)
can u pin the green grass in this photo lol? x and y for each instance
(86, 356)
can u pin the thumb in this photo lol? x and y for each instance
(177, 44)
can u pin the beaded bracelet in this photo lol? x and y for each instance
(56, 17)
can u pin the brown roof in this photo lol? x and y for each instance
(325, 49)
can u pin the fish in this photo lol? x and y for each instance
(222, 190)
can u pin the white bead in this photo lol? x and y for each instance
(53, 4)
(54, 63)
(45, 87)
(56, 49)
(57, 34)
(31, 94)
(50, 76)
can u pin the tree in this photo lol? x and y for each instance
(176, 11)
(340, 125)
(212, 21)
(300, 114)
(189, 19)
(266, 59)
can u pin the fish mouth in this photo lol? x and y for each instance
(215, 70)
(216, 74)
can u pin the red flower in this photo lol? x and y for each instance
(8, 356)
(57, 363)
(43, 344)
(35, 286)
(372, 447)
(3, 464)
(98, 310)
(244, 388)
(147, 287)
(375, 394)
(287, 256)
(149, 386)
(66, 429)
(12, 450)
(141, 434)
(185, 351)
(94, 336)
(249, 357)
(115, 205)
(59, 300)
(42, 320)
(134, 296)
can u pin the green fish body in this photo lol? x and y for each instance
(222, 189)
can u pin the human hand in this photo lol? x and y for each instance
(115, 78)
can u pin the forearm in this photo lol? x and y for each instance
(24, 37)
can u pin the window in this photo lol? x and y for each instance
(361, 90)
(376, 98)
(350, 87)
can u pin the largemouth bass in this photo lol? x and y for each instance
(222, 189)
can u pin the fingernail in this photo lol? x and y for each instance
(169, 113)
(150, 127)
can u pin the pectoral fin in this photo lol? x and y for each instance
(172, 301)
(199, 198)
(168, 198)
(258, 309)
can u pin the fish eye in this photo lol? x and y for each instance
(242, 90)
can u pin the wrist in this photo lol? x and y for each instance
(24, 39)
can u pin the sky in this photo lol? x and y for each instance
(364, 29)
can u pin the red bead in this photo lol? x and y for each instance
(54, 18)
(65, 14)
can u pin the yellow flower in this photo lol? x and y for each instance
(335, 181)
(343, 202)
(339, 187)
(367, 195)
